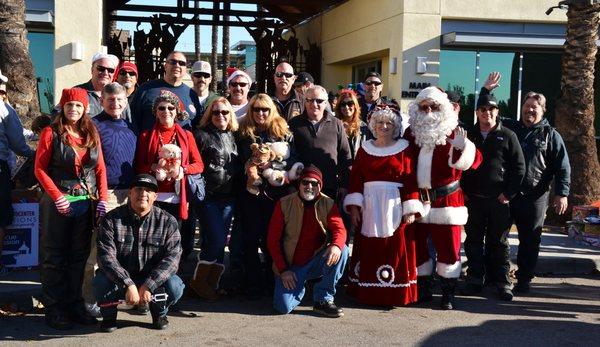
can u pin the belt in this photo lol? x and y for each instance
(429, 195)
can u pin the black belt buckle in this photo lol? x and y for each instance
(424, 195)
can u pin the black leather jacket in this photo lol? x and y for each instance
(221, 161)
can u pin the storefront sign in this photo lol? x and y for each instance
(418, 86)
(21, 240)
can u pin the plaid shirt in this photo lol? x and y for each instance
(158, 246)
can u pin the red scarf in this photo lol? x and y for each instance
(154, 146)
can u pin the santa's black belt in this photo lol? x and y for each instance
(429, 195)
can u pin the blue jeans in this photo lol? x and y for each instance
(285, 300)
(106, 290)
(215, 219)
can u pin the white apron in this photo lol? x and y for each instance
(382, 209)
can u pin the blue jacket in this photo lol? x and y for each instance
(11, 134)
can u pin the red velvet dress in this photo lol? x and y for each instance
(383, 267)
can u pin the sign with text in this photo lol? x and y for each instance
(21, 242)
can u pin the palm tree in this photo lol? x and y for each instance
(215, 42)
(15, 61)
(575, 105)
(197, 32)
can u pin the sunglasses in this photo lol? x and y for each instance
(426, 107)
(282, 74)
(486, 108)
(219, 112)
(373, 83)
(318, 101)
(348, 104)
(201, 74)
(126, 73)
(261, 109)
(238, 84)
(2, 92)
(310, 183)
(164, 108)
(177, 62)
(101, 68)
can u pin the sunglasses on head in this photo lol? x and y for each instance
(219, 112)
(238, 84)
(177, 62)
(164, 108)
(282, 74)
(426, 107)
(373, 83)
(201, 74)
(261, 109)
(318, 101)
(347, 103)
(101, 68)
(126, 73)
(310, 183)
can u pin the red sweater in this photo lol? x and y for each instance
(43, 155)
(311, 236)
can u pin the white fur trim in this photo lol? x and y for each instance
(280, 148)
(292, 174)
(425, 269)
(449, 270)
(356, 199)
(433, 93)
(466, 159)
(424, 168)
(396, 148)
(412, 206)
(446, 216)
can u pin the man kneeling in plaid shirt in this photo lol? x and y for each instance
(139, 247)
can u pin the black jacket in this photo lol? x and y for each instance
(503, 165)
(326, 147)
(546, 158)
(221, 161)
(291, 107)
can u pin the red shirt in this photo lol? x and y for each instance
(311, 236)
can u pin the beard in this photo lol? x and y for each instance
(432, 129)
(308, 194)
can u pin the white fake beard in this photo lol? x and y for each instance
(431, 129)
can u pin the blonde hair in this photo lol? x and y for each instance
(232, 125)
(276, 126)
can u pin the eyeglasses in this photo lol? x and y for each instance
(126, 73)
(373, 83)
(282, 74)
(219, 112)
(164, 108)
(347, 103)
(201, 75)
(101, 68)
(310, 183)
(426, 107)
(318, 101)
(177, 62)
(238, 84)
(261, 109)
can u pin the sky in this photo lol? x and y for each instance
(186, 40)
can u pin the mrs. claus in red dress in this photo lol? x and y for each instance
(382, 201)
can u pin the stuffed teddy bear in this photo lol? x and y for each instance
(281, 152)
(261, 156)
(169, 163)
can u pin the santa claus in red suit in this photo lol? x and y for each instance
(444, 152)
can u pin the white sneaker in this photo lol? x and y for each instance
(93, 310)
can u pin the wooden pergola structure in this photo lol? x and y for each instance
(265, 24)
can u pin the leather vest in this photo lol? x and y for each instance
(293, 211)
(62, 169)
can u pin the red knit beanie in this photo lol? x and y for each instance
(312, 172)
(74, 94)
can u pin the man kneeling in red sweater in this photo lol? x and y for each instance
(307, 240)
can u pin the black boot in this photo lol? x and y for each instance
(57, 319)
(159, 322)
(448, 287)
(424, 284)
(109, 319)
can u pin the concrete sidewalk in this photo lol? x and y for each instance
(559, 255)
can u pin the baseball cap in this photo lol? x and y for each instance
(144, 180)
(487, 100)
(111, 57)
(302, 78)
(201, 66)
(454, 96)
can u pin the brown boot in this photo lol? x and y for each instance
(199, 282)
(214, 277)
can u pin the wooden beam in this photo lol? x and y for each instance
(201, 11)
(191, 21)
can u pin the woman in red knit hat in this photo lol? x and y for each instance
(70, 168)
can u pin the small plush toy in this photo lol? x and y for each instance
(169, 163)
(281, 152)
(261, 156)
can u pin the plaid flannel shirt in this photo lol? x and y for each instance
(158, 248)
